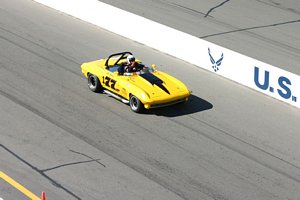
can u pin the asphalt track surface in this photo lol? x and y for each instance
(227, 142)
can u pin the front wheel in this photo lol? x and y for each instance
(135, 104)
(94, 83)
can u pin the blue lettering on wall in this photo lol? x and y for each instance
(283, 88)
(283, 82)
(265, 85)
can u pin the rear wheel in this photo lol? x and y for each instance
(135, 104)
(94, 83)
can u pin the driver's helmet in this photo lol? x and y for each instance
(130, 59)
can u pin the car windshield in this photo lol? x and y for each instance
(143, 70)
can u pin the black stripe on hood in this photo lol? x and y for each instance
(154, 80)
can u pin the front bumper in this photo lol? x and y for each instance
(164, 103)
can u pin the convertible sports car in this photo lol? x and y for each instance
(146, 87)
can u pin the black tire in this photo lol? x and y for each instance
(94, 83)
(135, 104)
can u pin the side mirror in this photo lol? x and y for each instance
(154, 66)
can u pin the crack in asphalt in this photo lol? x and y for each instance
(187, 8)
(68, 164)
(41, 172)
(96, 160)
(251, 28)
(213, 8)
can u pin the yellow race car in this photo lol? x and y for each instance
(141, 86)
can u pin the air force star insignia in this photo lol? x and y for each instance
(215, 64)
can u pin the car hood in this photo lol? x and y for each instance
(159, 84)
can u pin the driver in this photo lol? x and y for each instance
(131, 65)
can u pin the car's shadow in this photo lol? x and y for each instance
(193, 105)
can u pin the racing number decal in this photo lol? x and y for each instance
(106, 81)
(113, 83)
(109, 82)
